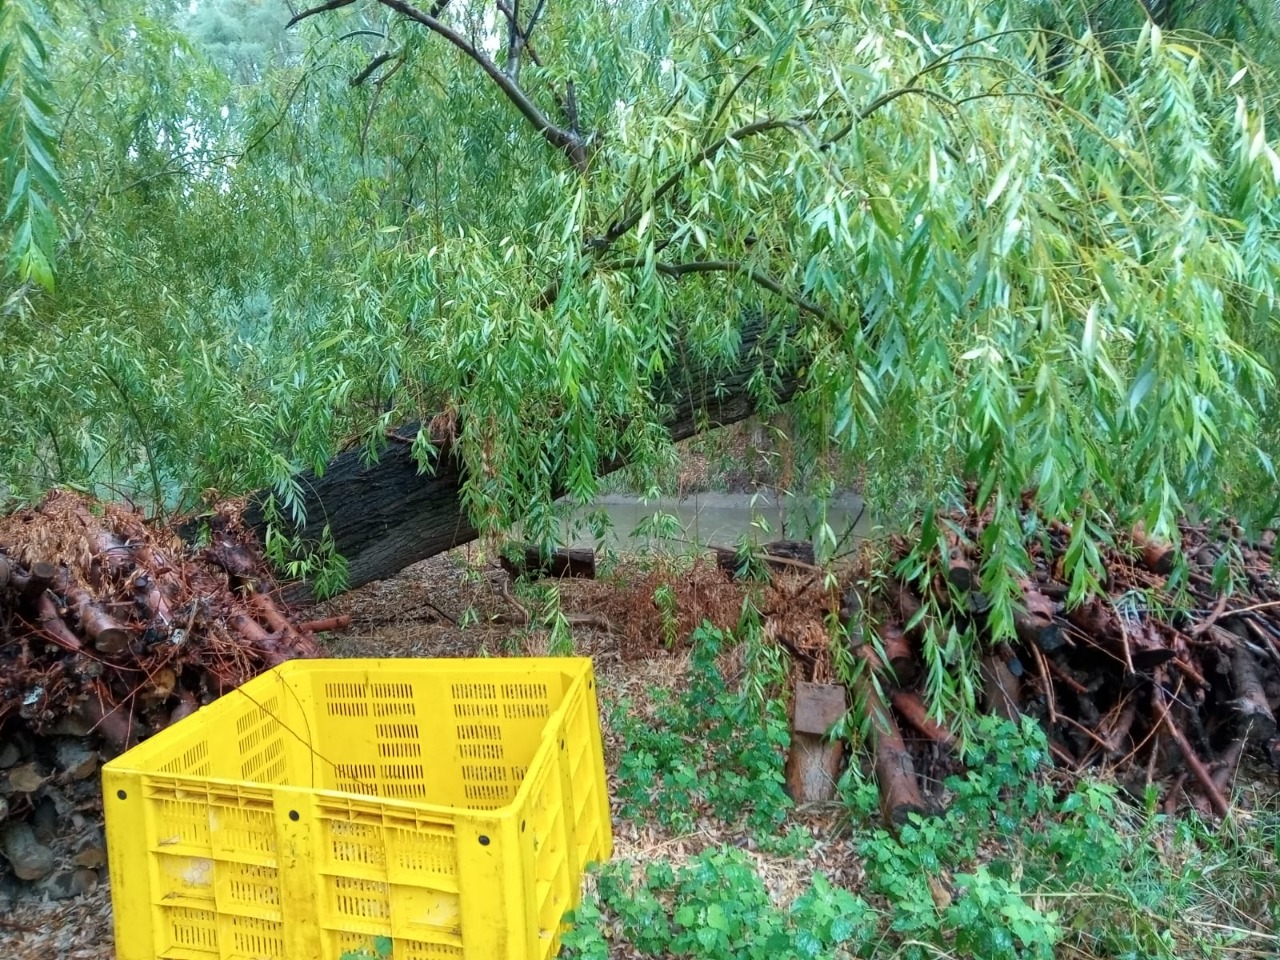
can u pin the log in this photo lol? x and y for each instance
(385, 516)
(115, 723)
(1035, 624)
(1189, 757)
(1001, 689)
(26, 778)
(187, 705)
(1157, 554)
(779, 556)
(236, 561)
(912, 709)
(898, 653)
(30, 859)
(76, 759)
(303, 645)
(895, 772)
(1255, 721)
(959, 569)
(112, 559)
(107, 633)
(43, 575)
(579, 562)
(908, 607)
(53, 627)
(818, 707)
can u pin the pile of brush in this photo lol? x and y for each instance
(1134, 680)
(110, 630)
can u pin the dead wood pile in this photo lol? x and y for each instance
(110, 630)
(1156, 685)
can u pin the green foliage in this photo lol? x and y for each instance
(29, 141)
(716, 907)
(706, 751)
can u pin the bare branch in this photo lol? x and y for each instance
(736, 267)
(367, 72)
(533, 21)
(322, 8)
(524, 37)
(571, 106)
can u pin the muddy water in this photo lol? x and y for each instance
(717, 518)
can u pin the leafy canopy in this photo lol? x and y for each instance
(1017, 243)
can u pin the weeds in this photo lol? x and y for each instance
(1024, 865)
(716, 906)
(707, 751)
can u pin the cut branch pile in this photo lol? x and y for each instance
(1159, 692)
(110, 630)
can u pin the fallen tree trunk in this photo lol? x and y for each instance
(386, 516)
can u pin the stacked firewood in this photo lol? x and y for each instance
(110, 630)
(1175, 690)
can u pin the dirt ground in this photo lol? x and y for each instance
(418, 614)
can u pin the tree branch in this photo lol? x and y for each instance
(533, 21)
(510, 14)
(374, 64)
(573, 146)
(737, 267)
(322, 8)
(514, 40)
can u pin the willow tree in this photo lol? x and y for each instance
(961, 244)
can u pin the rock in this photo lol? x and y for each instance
(9, 755)
(90, 849)
(45, 821)
(85, 881)
(25, 779)
(4, 809)
(77, 759)
(66, 884)
(71, 725)
(30, 859)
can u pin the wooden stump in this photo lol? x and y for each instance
(814, 763)
(813, 767)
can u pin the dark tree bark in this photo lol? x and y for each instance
(387, 516)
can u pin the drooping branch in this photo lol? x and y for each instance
(626, 224)
(759, 277)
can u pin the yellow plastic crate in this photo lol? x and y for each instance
(351, 809)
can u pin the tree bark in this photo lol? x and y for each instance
(384, 517)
